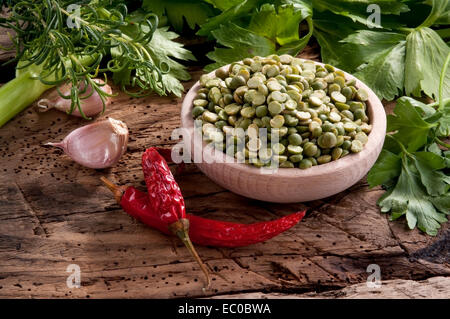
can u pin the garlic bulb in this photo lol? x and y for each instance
(97, 145)
(91, 106)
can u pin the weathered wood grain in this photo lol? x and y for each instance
(54, 213)
(436, 287)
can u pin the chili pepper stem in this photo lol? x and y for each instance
(181, 229)
(115, 189)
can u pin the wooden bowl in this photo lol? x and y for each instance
(287, 185)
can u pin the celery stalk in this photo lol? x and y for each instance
(19, 93)
(26, 88)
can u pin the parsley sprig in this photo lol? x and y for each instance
(414, 164)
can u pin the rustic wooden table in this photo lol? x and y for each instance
(54, 213)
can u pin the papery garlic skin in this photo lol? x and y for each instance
(91, 106)
(97, 145)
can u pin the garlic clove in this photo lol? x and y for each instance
(91, 106)
(97, 145)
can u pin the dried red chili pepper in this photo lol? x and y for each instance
(206, 232)
(167, 154)
(166, 200)
(137, 204)
(210, 232)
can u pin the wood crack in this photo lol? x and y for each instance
(34, 215)
(399, 242)
(246, 269)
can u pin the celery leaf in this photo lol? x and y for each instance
(425, 56)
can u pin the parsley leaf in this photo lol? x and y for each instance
(280, 25)
(271, 29)
(409, 198)
(241, 43)
(366, 45)
(442, 203)
(424, 109)
(162, 50)
(195, 12)
(427, 165)
(413, 167)
(387, 167)
(385, 73)
(390, 62)
(412, 130)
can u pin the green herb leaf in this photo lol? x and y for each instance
(412, 130)
(392, 145)
(385, 73)
(440, 10)
(425, 56)
(357, 10)
(427, 164)
(293, 48)
(195, 12)
(223, 4)
(421, 192)
(367, 45)
(243, 8)
(378, 58)
(277, 25)
(444, 123)
(431, 159)
(434, 148)
(442, 203)
(329, 29)
(241, 43)
(425, 110)
(303, 5)
(382, 59)
(409, 198)
(387, 167)
(272, 29)
(162, 50)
